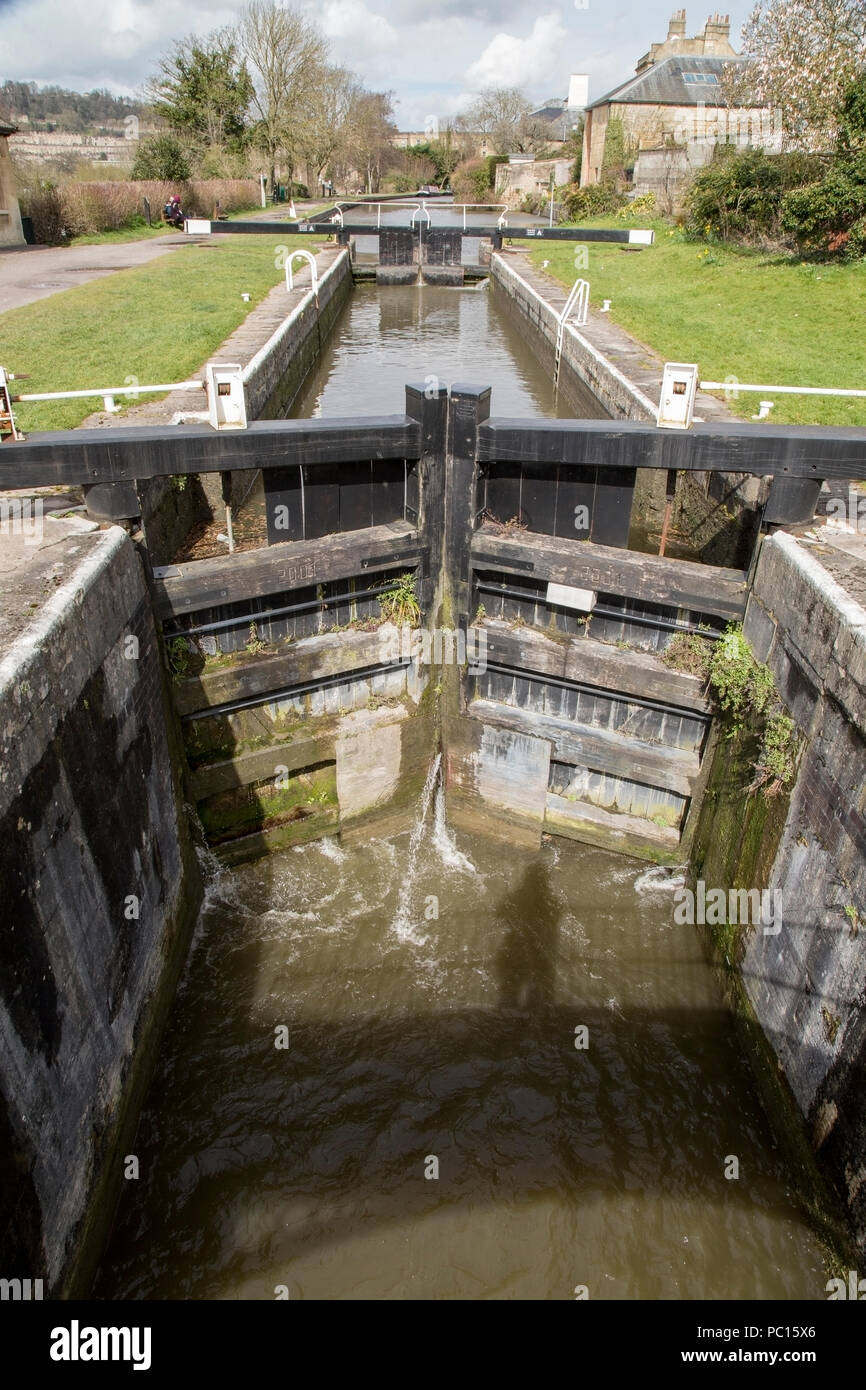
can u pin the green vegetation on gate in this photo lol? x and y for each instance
(764, 318)
(159, 322)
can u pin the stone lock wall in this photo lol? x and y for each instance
(100, 889)
(804, 987)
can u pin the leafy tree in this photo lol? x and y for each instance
(161, 157)
(852, 117)
(441, 159)
(285, 54)
(802, 56)
(202, 91)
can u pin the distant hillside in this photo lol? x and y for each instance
(54, 108)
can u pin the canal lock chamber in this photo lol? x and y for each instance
(433, 991)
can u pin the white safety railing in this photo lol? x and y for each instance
(314, 273)
(108, 393)
(734, 386)
(460, 208)
(576, 305)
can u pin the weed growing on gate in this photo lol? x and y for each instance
(400, 604)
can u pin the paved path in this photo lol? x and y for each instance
(34, 272)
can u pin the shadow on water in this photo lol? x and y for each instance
(306, 1167)
(526, 962)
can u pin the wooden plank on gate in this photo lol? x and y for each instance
(676, 583)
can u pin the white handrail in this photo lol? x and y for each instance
(311, 261)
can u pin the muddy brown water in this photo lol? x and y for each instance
(432, 988)
(431, 1129)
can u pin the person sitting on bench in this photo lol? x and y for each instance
(172, 212)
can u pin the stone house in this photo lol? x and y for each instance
(673, 112)
(523, 174)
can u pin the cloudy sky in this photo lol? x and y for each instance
(433, 54)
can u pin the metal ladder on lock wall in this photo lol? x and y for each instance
(578, 303)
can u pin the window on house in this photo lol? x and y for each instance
(693, 77)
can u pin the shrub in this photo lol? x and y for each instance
(45, 206)
(740, 193)
(857, 238)
(161, 157)
(85, 209)
(743, 687)
(828, 216)
(473, 180)
(534, 204)
(99, 207)
(613, 160)
(469, 182)
(746, 693)
(597, 200)
(643, 206)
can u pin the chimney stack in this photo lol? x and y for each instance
(578, 91)
(677, 25)
(718, 27)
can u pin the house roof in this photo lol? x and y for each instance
(550, 112)
(684, 81)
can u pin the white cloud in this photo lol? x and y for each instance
(509, 61)
(349, 21)
(115, 44)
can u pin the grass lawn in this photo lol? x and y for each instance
(121, 234)
(158, 322)
(761, 318)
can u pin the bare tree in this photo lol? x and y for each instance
(372, 129)
(326, 128)
(802, 55)
(285, 53)
(503, 115)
